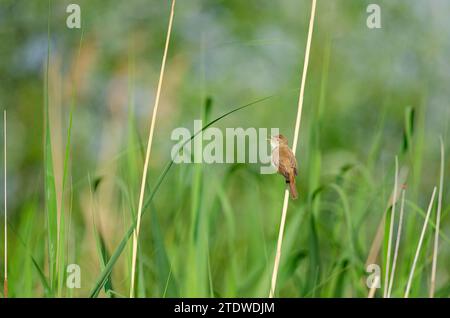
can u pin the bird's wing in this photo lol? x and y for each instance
(285, 166)
(293, 162)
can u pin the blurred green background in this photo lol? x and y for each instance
(211, 230)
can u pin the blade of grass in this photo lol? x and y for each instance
(415, 208)
(327, 280)
(103, 252)
(100, 242)
(425, 223)
(167, 283)
(103, 256)
(348, 220)
(438, 220)
(391, 230)
(314, 174)
(41, 275)
(149, 147)
(167, 286)
(339, 286)
(50, 187)
(376, 243)
(350, 230)
(211, 288)
(397, 243)
(61, 251)
(197, 255)
(230, 224)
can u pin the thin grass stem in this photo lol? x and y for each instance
(391, 229)
(419, 246)
(149, 147)
(397, 243)
(294, 148)
(438, 220)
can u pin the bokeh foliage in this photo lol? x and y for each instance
(211, 230)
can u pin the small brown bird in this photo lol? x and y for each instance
(284, 160)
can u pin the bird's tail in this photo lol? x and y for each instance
(292, 188)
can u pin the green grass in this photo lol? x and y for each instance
(50, 187)
(211, 230)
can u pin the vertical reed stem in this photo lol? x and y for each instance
(438, 221)
(391, 229)
(397, 243)
(294, 148)
(148, 152)
(373, 289)
(419, 246)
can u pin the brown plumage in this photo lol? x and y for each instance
(284, 160)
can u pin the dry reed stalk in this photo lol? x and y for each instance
(391, 229)
(376, 243)
(148, 152)
(373, 289)
(5, 282)
(438, 220)
(397, 243)
(294, 148)
(411, 274)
